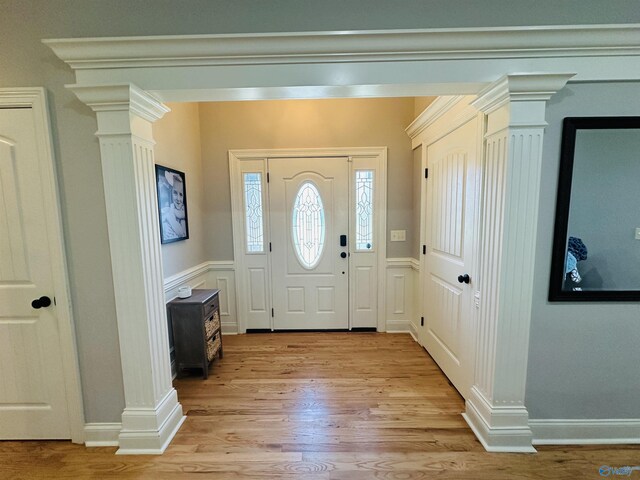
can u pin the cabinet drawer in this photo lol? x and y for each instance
(211, 306)
(213, 346)
(212, 324)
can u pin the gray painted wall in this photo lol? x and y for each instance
(24, 61)
(583, 357)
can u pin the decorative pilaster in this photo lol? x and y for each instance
(152, 413)
(515, 109)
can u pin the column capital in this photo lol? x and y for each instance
(125, 97)
(520, 87)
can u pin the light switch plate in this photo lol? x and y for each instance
(398, 235)
(637, 233)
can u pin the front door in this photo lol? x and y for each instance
(309, 222)
(448, 330)
(33, 403)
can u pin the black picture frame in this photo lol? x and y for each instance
(172, 217)
(571, 127)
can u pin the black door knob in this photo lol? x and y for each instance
(343, 254)
(41, 302)
(464, 278)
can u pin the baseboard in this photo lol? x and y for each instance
(585, 431)
(102, 434)
(148, 431)
(398, 326)
(413, 330)
(498, 428)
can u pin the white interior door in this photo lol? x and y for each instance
(33, 402)
(309, 211)
(448, 331)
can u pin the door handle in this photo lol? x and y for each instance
(343, 241)
(43, 301)
(464, 278)
(343, 255)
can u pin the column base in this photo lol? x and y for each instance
(148, 431)
(498, 428)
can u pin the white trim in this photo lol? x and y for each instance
(398, 326)
(585, 431)
(415, 265)
(400, 262)
(348, 46)
(35, 98)
(181, 278)
(237, 156)
(102, 434)
(222, 265)
(429, 115)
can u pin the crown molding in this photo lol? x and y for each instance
(109, 98)
(520, 87)
(435, 110)
(348, 46)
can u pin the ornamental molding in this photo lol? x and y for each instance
(110, 98)
(348, 46)
(526, 87)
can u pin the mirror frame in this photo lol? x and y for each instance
(563, 201)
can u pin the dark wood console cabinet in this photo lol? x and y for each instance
(197, 336)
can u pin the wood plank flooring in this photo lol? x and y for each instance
(316, 406)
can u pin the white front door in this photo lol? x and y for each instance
(33, 402)
(309, 212)
(448, 331)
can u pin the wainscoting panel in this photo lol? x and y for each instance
(402, 276)
(222, 276)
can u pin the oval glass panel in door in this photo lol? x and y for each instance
(308, 225)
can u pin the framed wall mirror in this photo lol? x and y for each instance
(596, 245)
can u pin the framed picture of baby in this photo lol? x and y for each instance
(172, 205)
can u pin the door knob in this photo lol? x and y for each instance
(43, 301)
(343, 254)
(464, 278)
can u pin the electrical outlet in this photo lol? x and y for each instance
(398, 235)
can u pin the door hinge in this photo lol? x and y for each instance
(272, 312)
(269, 246)
(424, 249)
(267, 177)
(426, 173)
(422, 321)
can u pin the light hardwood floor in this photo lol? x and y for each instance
(316, 406)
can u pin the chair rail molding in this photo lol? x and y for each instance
(515, 109)
(152, 413)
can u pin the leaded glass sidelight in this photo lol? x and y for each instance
(364, 209)
(308, 227)
(253, 212)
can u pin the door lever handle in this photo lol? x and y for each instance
(464, 278)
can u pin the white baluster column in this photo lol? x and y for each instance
(515, 115)
(125, 113)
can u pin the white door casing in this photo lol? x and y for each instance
(253, 269)
(309, 210)
(449, 330)
(39, 378)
